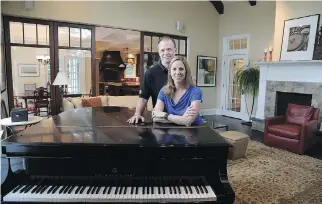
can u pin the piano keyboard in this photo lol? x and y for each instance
(176, 191)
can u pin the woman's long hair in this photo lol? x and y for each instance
(169, 88)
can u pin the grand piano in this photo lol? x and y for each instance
(93, 155)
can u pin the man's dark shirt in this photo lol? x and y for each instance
(154, 79)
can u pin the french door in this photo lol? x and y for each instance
(234, 104)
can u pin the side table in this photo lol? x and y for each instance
(31, 121)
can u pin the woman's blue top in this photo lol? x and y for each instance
(192, 93)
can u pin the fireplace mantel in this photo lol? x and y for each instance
(286, 71)
(294, 63)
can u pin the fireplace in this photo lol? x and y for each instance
(284, 98)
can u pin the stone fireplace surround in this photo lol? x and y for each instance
(287, 76)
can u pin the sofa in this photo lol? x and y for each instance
(294, 131)
(122, 101)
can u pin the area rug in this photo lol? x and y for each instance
(273, 176)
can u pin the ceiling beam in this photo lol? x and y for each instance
(252, 3)
(219, 6)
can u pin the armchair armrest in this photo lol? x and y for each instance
(274, 120)
(308, 131)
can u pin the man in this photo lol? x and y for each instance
(155, 78)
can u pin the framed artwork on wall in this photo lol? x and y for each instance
(299, 38)
(206, 71)
(28, 70)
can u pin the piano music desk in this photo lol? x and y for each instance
(94, 155)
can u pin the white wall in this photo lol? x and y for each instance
(240, 18)
(200, 20)
(291, 9)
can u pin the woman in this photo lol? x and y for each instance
(178, 96)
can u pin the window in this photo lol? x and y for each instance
(237, 44)
(73, 73)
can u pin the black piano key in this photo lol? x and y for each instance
(71, 189)
(203, 184)
(51, 189)
(105, 189)
(153, 184)
(39, 189)
(55, 189)
(196, 188)
(93, 189)
(67, 189)
(178, 188)
(78, 189)
(98, 189)
(89, 190)
(125, 189)
(30, 187)
(34, 189)
(109, 190)
(82, 190)
(17, 188)
(24, 188)
(62, 189)
(44, 189)
(121, 190)
(188, 186)
(200, 189)
(137, 189)
(132, 189)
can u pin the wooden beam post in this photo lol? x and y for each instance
(219, 6)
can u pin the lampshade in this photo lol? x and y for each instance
(61, 79)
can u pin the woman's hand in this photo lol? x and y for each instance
(158, 114)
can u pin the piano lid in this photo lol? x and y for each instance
(107, 127)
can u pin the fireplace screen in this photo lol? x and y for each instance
(284, 98)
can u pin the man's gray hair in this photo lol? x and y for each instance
(165, 38)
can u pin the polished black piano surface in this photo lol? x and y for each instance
(94, 155)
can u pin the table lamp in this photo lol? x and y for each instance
(61, 80)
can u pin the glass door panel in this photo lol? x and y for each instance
(234, 101)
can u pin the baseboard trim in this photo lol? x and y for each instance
(213, 111)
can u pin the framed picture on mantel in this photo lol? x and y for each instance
(299, 37)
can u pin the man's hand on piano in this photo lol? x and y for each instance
(135, 119)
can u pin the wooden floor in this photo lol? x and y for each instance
(235, 124)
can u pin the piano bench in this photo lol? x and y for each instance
(239, 141)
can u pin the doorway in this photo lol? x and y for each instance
(235, 57)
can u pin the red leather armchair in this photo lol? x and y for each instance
(294, 131)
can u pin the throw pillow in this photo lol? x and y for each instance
(92, 102)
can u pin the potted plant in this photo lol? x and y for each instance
(247, 80)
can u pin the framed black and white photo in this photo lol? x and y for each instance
(299, 37)
(28, 70)
(206, 71)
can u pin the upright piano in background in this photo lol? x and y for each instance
(93, 155)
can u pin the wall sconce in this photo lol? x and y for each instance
(43, 59)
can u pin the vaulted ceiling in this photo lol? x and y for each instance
(220, 7)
